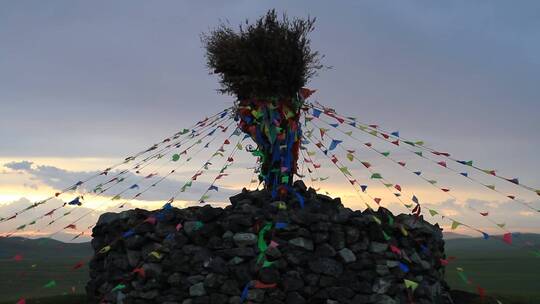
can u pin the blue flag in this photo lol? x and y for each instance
(334, 144)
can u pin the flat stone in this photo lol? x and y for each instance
(197, 290)
(378, 247)
(347, 255)
(302, 243)
(245, 239)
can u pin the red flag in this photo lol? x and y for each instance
(368, 144)
(484, 213)
(442, 163)
(507, 238)
(78, 265)
(398, 187)
(385, 135)
(305, 92)
(139, 271)
(152, 220)
(402, 163)
(445, 189)
(70, 226)
(226, 142)
(481, 292)
(396, 142)
(261, 285)
(511, 197)
(441, 153)
(395, 249)
(316, 166)
(377, 200)
(366, 164)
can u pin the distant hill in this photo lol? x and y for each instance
(42, 248)
(453, 235)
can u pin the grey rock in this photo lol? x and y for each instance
(381, 286)
(302, 243)
(384, 299)
(378, 247)
(197, 290)
(235, 261)
(347, 255)
(326, 266)
(382, 270)
(195, 279)
(245, 239)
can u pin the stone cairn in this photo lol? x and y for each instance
(322, 253)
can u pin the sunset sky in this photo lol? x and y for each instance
(85, 84)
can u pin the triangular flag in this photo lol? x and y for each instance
(345, 170)
(507, 238)
(50, 284)
(118, 287)
(376, 176)
(410, 284)
(403, 267)
(455, 224)
(433, 212)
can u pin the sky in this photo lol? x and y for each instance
(85, 84)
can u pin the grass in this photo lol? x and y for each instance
(508, 273)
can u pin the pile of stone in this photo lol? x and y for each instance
(258, 250)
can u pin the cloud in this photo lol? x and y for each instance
(21, 165)
(59, 178)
